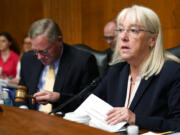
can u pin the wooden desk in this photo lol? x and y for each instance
(15, 121)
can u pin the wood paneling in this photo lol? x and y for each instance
(67, 13)
(17, 15)
(82, 21)
(97, 13)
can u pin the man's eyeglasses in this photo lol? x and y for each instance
(108, 38)
(42, 52)
(27, 43)
(132, 31)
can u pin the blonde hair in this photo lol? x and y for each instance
(150, 21)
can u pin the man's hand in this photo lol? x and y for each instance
(44, 97)
(119, 114)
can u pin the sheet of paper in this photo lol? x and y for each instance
(97, 109)
(150, 133)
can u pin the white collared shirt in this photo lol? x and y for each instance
(129, 97)
(44, 72)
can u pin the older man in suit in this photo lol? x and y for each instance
(71, 69)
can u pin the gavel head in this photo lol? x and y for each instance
(21, 94)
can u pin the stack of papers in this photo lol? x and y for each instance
(97, 109)
(150, 133)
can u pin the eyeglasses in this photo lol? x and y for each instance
(109, 38)
(132, 31)
(42, 52)
(27, 43)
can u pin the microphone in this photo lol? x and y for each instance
(89, 87)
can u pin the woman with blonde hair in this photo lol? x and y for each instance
(143, 83)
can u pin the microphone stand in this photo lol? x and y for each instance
(92, 85)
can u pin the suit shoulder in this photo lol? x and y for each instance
(171, 65)
(28, 56)
(117, 68)
(76, 53)
(118, 65)
(171, 68)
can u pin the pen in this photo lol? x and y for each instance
(165, 133)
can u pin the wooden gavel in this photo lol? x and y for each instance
(21, 94)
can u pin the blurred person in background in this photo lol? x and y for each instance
(8, 58)
(27, 46)
(109, 37)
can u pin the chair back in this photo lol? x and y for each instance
(175, 51)
(101, 57)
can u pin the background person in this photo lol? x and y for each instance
(73, 69)
(109, 37)
(8, 58)
(143, 83)
(27, 45)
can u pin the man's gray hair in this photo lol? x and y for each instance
(47, 27)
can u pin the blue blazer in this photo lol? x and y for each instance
(157, 100)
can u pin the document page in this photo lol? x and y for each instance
(97, 109)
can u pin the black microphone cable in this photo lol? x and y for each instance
(91, 86)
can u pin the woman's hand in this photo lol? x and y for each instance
(119, 114)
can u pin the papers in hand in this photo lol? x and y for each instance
(97, 109)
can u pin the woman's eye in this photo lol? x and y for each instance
(121, 30)
(134, 30)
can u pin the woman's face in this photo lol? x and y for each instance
(134, 41)
(4, 43)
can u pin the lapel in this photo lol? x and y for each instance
(141, 89)
(36, 71)
(62, 70)
(123, 84)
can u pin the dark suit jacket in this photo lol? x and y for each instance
(109, 54)
(77, 69)
(157, 100)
